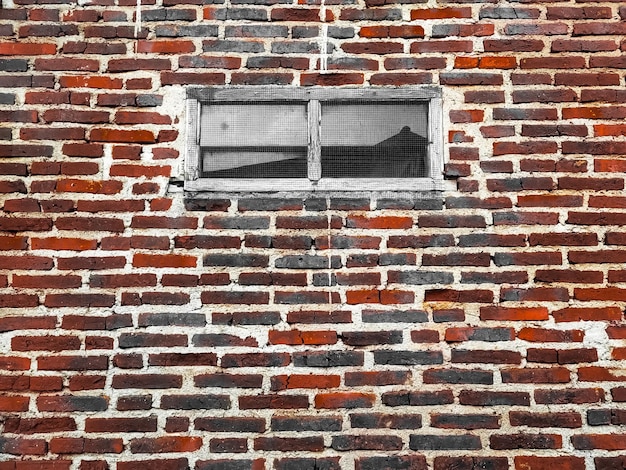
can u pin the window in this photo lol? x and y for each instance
(314, 139)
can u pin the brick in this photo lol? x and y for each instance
(286, 444)
(369, 442)
(569, 396)
(65, 403)
(545, 463)
(441, 442)
(146, 381)
(485, 357)
(161, 464)
(467, 421)
(355, 379)
(416, 462)
(306, 423)
(543, 375)
(78, 363)
(543, 420)
(457, 376)
(38, 425)
(344, 400)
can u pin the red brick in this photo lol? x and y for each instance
(14, 404)
(26, 49)
(258, 402)
(38, 425)
(165, 260)
(302, 337)
(89, 186)
(344, 400)
(440, 13)
(165, 445)
(549, 463)
(295, 381)
(165, 47)
(160, 464)
(13, 363)
(587, 313)
(122, 136)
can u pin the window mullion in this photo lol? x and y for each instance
(314, 153)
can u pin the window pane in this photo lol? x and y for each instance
(250, 163)
(382, 140)
(251, 140)
(253, 125)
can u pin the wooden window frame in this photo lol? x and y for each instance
(314, 97)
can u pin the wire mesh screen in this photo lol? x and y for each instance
(254, 140)
(374, 140)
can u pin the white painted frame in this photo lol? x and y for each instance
(314, 97)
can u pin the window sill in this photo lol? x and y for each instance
(287, 185)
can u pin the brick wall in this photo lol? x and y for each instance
(480, 328)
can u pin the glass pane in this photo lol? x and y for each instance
(253, 125)
(381, 140)
(265, 163)
(250, 140)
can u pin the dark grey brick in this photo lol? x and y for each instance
(7, 98)
(171, 319)
(315, 204)
(302, 47)
(240, 223)
(328, 359)
(500, 13)
(252, 14)
(366, 338)
(310, 423)
(232, 46)
(235, 260)
(347, 204)
(421, 277)
(304, 32)
(407, 358)
(247, 318)
(168, 14)
(207, 204)
(171, 31)
(257, 31)
(433, 442)
(598, 417)
(324, 279)
(308, 262)
(446, 30)
(87, 403)
(149, 100)
(394, 316)
(269, 204)
(195, 402)
(338, 32)
(396, 259)
(13, 65)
